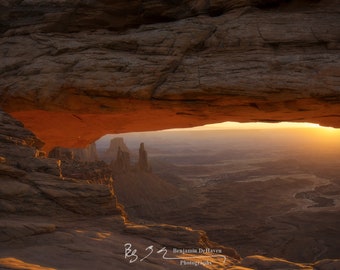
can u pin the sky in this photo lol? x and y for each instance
(307, 131)
(254, 125)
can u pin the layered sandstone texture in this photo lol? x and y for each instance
(32, 184)
(145, 65)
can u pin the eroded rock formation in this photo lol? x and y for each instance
(87, 154)
(31, 184)
(122, 161)
(116, 145)
(169, 64)
(143, 162)
(75, 16)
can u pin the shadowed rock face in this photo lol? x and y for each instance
(143, 163)
(31, 184)
(116, 150)
(261, 56)
(73, 16)
(122, 162)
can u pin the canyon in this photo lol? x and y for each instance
(50, 220)
(73, 71)
(272, 197)
(53, 222)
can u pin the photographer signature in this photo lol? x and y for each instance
(131, 254)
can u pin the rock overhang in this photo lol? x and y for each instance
(247, 64)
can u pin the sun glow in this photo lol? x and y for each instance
(258, 125)
(309, 132)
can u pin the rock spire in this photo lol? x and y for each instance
(122, 162)
(143, 163)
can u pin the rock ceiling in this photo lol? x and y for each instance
(73, 71)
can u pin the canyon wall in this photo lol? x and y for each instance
(31, 183)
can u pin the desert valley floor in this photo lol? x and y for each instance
(264, 192)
